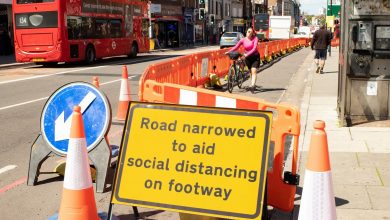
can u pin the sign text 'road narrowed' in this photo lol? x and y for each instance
(201, 160)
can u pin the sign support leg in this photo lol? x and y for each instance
(101, 158)
(39, 153)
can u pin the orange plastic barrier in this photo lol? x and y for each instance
(335, 42)
(283, 46)
(262, 48)
(203, 63)
(193, 70)
(273, 48)
(286, 122)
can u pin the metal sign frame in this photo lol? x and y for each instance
(99, 151)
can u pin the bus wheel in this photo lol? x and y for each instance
(90, 55)
(134, 50)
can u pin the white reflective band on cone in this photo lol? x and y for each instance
(77, 171)
(318, 201)
(124, 94)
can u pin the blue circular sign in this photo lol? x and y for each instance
(56, 115)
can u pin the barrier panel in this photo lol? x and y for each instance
(222, 62)
(283, 46)
(203, 63)
(335, 42)
(262, 48)
(286, 122)
(273, 48)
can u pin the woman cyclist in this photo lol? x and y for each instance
(252, 56)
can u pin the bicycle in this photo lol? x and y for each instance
(238, 66)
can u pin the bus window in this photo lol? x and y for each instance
(74, 27)
(48, 19)
(101, 29)
(128, 20)
(87, 28)
(33, 1)
(261, 22)
(145, 27)
(115, 27)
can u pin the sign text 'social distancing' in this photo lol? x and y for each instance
(200, 160)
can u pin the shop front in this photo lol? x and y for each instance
(6, 29)
(239, 25)
(167, 26)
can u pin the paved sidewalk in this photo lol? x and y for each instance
(359, 155)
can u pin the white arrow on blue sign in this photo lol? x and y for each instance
(56, 115)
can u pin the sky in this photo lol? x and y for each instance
(312, 6)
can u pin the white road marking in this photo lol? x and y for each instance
(7, 168)
(48, 75)
(45, 98)
(23, 103)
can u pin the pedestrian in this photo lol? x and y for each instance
(319, 43)
(157, 43)
(252, 55)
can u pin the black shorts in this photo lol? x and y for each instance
(320, 54)
(253, 61)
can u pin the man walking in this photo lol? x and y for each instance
(320, 42)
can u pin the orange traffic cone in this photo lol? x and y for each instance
(124, 95)
(96, 81)
(78, 200)
(318, 201)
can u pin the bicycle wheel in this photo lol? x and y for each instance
(240, 78)
(230, 82)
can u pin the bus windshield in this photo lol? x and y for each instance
(33, 1)
(261, 22)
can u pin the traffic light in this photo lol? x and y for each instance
(212, 19)
(202, 1)
(202, 14)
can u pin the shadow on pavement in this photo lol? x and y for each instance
(260, 89)
(50, 180)
(143, 215)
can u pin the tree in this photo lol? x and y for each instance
(321, 19)
(309, 18)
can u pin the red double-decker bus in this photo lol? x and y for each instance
(51, 31)
(260, 23)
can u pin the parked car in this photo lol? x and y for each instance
(303, 35)
(230, 39)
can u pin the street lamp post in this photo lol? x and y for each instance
(331, 12)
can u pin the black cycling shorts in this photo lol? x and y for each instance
(253, 61)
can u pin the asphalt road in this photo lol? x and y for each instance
(24, 91)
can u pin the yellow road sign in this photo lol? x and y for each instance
(199, 160)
